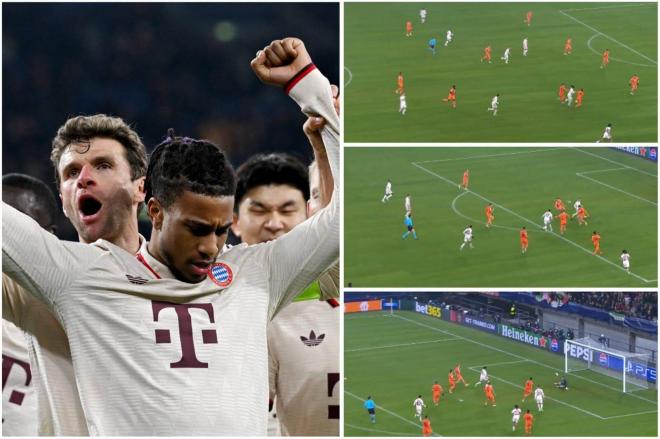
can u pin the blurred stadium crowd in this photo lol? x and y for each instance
(635, 304)
(157, 66)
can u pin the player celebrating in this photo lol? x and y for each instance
(528, 18)
(399, 84)
(388, 191)
(625, 260)
(489, 215)
(606, 59)
(451, 97)
(486, 54)
(409, 28)
(568, 46)
(559, 204)
(452, 382)
(538, 396)
(437, 391)
(634, 83)
(422, 15)
(516, 416)
(490, 394)
(432, 43)
(467, 237)
(524, 242)
(607, 134)
(547, 220)
(459, 375)
(407, 204)
(494, 103)
(579, 97)
(450, 36)
(505, 57)
(466, 179)
(402, 104)
(483, 376)
(562, 93)
(529, 385)
(563, 220)
(409, 225)
(426, 426)
(419, 406)
(525, 46)
(595, 239)
(570, 95)
(529, 420)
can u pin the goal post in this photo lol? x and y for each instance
(627, 367)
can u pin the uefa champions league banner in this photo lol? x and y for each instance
(603, 359)
(647, 152)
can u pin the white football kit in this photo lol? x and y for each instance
(402, 104)
(303, 348)
(422, 15)
(450, 36)
(577, 205)
(625, 260)
(571, 93)
(516, 415)
(419, 406)
(408, 205)
(547, 218)
(483, 376)
(539, 395)
(525, 47)
(155, 356)
(388, 188)
(19, 397)
(608, 133)
(505, 57)
(467, 235)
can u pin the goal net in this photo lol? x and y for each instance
(627, 367)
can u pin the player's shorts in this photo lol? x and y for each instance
(467, 239)
(547, 221)
(431, 46)
(418, 410)
(490, 397)
(607, 136)
(410, 228)
(539, 400)
(451, 97)
(515, 419)
(527, 393)
(525, 242)
(626, 264)
(372, 411)
(388, 192)
(402, 106)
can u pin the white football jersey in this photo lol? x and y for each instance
(625, 257)
(608, 132)
(577, 205)
(388, 188)
(155, 356)
(506, 52)
(538, 393)
(467, 233)
(547, 217)
(571, 92)
(19, 398)
(494, 101)
(483, 376)
(449, 35)
(419, 404)
(525, 43)
(408, 204)
(303, 348)
(516, 412)
(422, 14)
(402, 100)
(59, 410)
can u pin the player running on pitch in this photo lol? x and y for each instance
(407, 204)
(505, 57)
(452, 381)
(538, 396)
(606, 59)
(563, 220)
(559, 205)
(422, 15)
(467, 237)
(426, 426)
(408, 222)
(419, 406)
(524, 240)
(437, 392)
(570, 95)
(625, 260)
(490, 394)
(466, 180)
(529, 385)
(403, 106)
(388, 191)
(451, 97)
(486, 56)
(581, 215)
(494, 103)
(568, 46)
(489, 215)
(399, 84)
(562, 93)
(449, 38)
(547, 220)
(459, 375)
(525, 46)
(529, 420)
(595, 239)
(607, 134)
(516, 412)
(634, 83)
(483, 376)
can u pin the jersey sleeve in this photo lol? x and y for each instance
(36, 259)
(299, 257)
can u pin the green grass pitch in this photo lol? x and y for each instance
(618, 190)
(376, 50)
(395, 358)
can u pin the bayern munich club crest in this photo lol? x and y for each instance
(221, 274)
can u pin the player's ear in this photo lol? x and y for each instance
(138, 190)
(156, 212)
(236, 230)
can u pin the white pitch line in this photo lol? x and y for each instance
(632, 414)
(616, 163)
(610, 7)
(399, 345)
(350, 77)
(580, 174)
(374, 430)
(433, 328)
(380, 407)
(608, 37)
(492, 155)
(598, 171)
(536, 225)
(611, 57)
(472, 220)
(547, 397)
(498, 364)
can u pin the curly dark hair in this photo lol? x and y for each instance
(267, 169)
(183, 163)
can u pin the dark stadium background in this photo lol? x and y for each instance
(157, 66)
